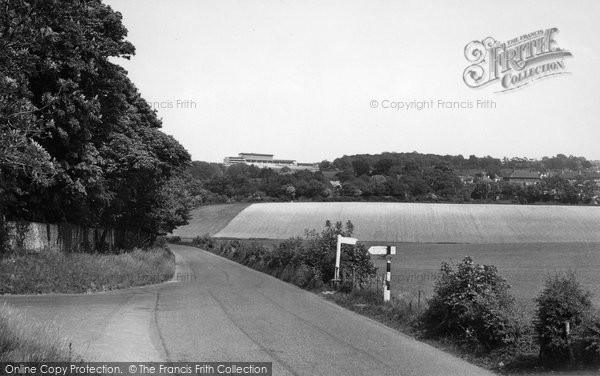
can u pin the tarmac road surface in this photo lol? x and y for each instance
(222, 311)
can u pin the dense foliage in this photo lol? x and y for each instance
(399, 177)
(307, 262)
(472, 304)
(563, 301)
(78, 144)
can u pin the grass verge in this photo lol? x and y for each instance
(398, 314)
(403, 315)
(22, 340)
(56, 272)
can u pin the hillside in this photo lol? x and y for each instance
(209, 220)
(419, 223)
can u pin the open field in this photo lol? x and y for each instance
(524, 265)
(209, 220)
(421, 223)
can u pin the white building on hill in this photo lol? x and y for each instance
(267, 160)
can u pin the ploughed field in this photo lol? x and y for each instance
(209, 220)
(526, 243)
(422, 223)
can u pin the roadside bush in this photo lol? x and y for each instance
(204, 241)
(321, 251)
(587, 340)
(288, 252)
(253, 255)
(174, 239)
(308, 263)
(287, 274)
(160, 242)
(471, 304)
(303, 276)
(562, 301)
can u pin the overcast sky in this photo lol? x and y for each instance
(296, 78)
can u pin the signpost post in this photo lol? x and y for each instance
(338, 254)
(388, 251)
(388, 275)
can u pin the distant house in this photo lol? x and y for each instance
(569, 175)
(470, 175)
(523, 177)
(586, 175)
(505, 173)
(464, 177)
(592, 175)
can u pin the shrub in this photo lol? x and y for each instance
(174, 239)
(204, 241)
(303, 275)
(587, 340)
(160, 242)
(288, 252)
(305, 262)
(562, 300)
(320, 252)
(252, 254)
(471, 304)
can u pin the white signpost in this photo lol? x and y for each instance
(381, 250)
(341, 240)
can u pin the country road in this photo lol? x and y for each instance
(222, 311)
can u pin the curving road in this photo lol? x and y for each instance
(222, 311)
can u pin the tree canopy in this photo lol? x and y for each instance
(77, 141)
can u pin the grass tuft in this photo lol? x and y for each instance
(22, 340)
(399, 313)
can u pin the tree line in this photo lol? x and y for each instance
(396, 177)
(78, 143)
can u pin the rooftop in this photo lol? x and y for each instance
(525, 174)
(259, 154)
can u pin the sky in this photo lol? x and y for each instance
(313, 80)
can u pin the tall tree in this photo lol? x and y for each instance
(79, 144)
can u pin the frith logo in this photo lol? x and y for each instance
(515, 63)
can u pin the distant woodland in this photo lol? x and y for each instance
(406, 177)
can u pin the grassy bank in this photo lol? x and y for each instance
(55, 272)
(22, 340)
